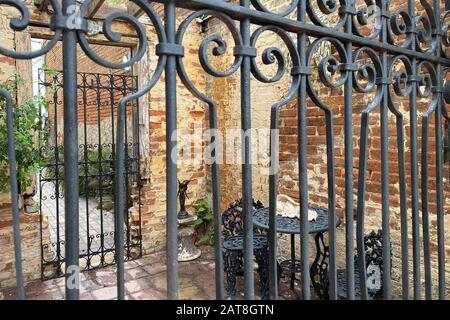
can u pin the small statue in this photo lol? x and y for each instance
(182, 195)
(187, 250)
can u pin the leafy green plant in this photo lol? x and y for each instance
(205, 232)
(28, 119)
(52, 74)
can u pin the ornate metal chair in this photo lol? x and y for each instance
(373, 246)
(233, 245)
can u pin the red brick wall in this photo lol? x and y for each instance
(191, 112)
(316, 131)
(85, 65)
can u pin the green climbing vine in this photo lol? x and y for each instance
(28, 120)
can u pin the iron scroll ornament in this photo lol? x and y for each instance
(431, 89)
(273, 55)
(320, 9)
(219, 49)
(269, 56)
(120, 146)
(20, 24)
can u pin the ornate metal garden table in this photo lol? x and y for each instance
(319, 267)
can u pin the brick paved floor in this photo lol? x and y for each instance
(145, 280)
(100, 221)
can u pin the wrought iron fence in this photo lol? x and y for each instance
(362, 62)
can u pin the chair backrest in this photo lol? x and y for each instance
(232, 219)
(373, 246)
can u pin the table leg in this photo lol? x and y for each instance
(319, 268)
(230, 258)
(262, 258)
(292, 261)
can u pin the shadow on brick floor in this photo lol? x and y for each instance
(145, 280)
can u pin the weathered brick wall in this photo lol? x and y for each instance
(30, 222)
(226, 93)
(89, 112)
(190, 115)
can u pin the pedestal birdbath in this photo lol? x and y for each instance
(187, 250)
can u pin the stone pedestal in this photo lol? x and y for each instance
(187, 250)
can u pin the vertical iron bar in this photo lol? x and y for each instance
(439, 162)
(86, 172)
(40, 179)
(71, 156)
(14, 193)
(127, 174)
(414, 164)
(119, 203)
(100, 166)
(171, 164)
(121, 194)
(112, 103)
(302, 159)
(332, 290)
(362, 175)
(292, 261)
(136, 141)
(385, 164)
(138, 163)
(219, 272)
(246, 165)
(425, 220)
(114, 177)
(348, 145)
(57, 175)
(439, 199)
(403, 207)
(113, 128)
(273, 178)
(403, 199)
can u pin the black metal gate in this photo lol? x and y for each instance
(360, 62)
(98, 96)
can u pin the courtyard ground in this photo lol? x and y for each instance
(100, 221)
(145, 280)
